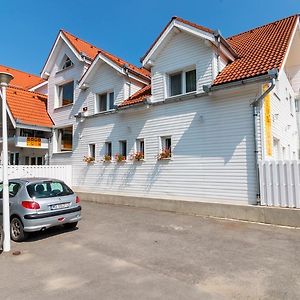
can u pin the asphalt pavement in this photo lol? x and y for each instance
(133, 253)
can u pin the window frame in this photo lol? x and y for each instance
(108, 102)
(65, 60)
(92, 150)
(123, 142)
(183, 73)
(108, 151)
(57, 142)
(162, 145)
(59, 94)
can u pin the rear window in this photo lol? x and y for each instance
(46, 189)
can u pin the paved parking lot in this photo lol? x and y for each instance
(132, 253)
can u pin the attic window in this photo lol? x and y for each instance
(67, 63)
(182, 82)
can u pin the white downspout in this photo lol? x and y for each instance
(273, 74)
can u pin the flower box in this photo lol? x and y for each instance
(88, 159)
(137, 156)
(164, 154)
(120, 158)
(106, 158)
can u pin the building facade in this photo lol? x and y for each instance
(191, 123)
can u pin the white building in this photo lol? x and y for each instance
(29, 124)
(195, 116)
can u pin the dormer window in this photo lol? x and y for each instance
(182, 82)
(66, 63)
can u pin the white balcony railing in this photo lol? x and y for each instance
(31, 142)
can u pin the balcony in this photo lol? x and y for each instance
(30, 142)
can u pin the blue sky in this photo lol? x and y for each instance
(123, 27)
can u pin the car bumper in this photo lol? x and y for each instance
(37, 222)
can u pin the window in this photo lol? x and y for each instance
(13, 189)
(14, 158)
(165, 147)
(105, 102)
(46, 189)
(66, 94)
(190, 81)
(67, 63)
(123, 148)
(92, 150)
(182, 82)
(64, 139)
(108, 149)
(140, 145)
(175, 84)
(39, 161)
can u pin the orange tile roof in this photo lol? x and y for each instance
(138, 97)
(91, 51)
(28, 107)
(22, 79)
(260, 49)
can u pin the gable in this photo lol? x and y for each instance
(182, 50)
(61, 54)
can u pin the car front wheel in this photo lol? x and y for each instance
(17, 230)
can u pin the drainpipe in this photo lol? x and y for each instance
(273, 76)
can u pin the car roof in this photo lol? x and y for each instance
(34, 179)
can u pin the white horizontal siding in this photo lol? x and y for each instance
(284, 122)
(213, 154)
(64, 115)
(183, 50)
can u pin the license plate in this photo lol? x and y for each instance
(59, 206)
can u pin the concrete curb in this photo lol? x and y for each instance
(261, 214)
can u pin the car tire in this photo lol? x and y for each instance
(71, 225)
(17, 232)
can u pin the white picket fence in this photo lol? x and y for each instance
(62, 172)
(280, 183)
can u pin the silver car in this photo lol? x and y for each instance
(39, 203)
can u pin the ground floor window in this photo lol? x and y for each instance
(14, 158)
(65, 139)
(108, 149)
(92, 150)
(34, 160)
(123, 148)
(165, 147)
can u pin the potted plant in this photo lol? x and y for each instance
(88, 159)
(106, 158)
(164, 154)
(119, 157)
(138, 156)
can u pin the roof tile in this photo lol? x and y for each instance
(138, 97)
(91, 51)
(22, 79)
(28, 107)
(260, 50)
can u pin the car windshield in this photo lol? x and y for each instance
(46, 189)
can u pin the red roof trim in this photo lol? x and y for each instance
(92, 52)
(138, 97)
